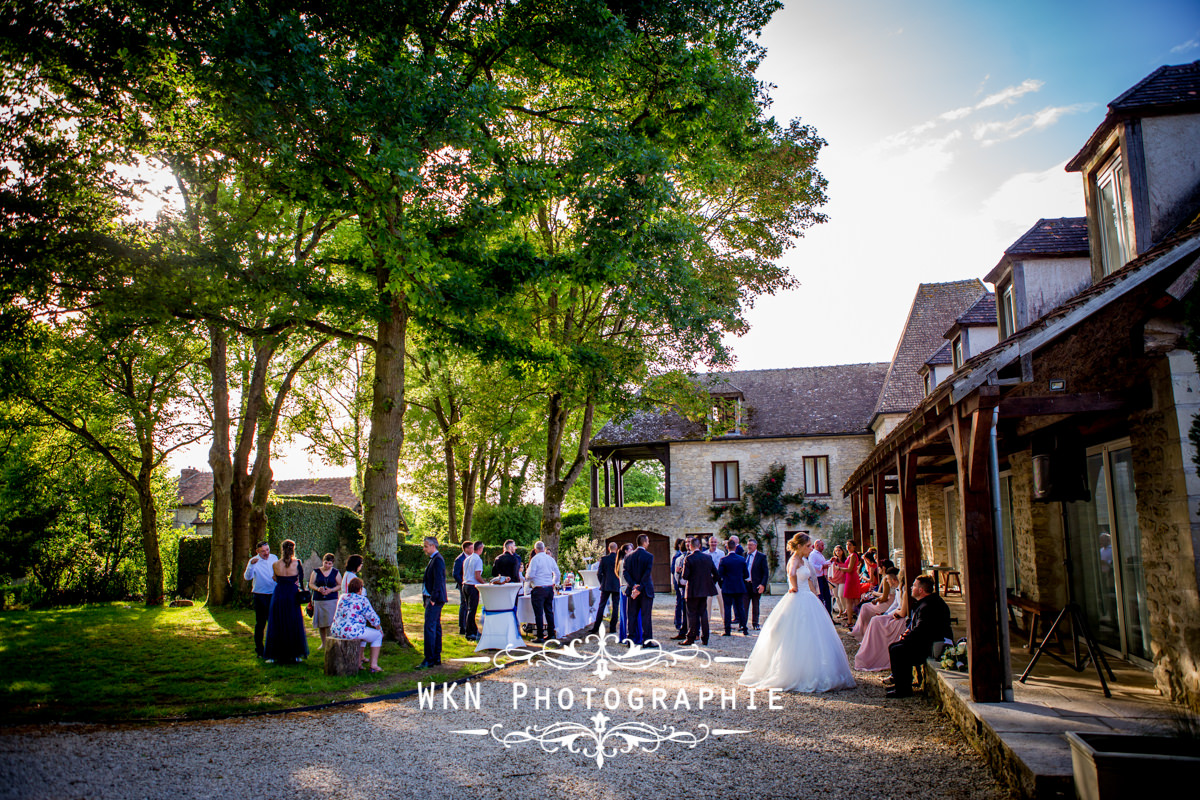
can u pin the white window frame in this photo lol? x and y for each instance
(929, 384)
(1113, 173)
(816, 476)
(959, 352)
(1008, 311)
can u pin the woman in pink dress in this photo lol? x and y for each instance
(881, 605)
(837, 580)
(882, 631)
(853, 586)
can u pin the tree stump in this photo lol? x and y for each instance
(342, 656)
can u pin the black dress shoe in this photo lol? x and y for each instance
(690, 642)
(894, 693)
(704, 642)
(539, 640)
(424, 665)
(679, 638)
(726, 633)
(649, 645)
(745, 632)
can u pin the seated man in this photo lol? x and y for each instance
(929, 622)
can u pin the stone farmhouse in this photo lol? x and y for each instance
(1075, 414)
(195, 487)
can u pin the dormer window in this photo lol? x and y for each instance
(1113, 215)
(929, 384)
(725, 414)
(957, 351)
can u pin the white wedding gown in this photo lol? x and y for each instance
(798, 649)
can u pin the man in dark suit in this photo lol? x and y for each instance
(610, 588)
(735, 546)
(640, 590)
(732, 570)
(928, 622)
(681, 551)
(507, 564)
(433, 594)
(467, 549)
(700, 575)
(756, 583)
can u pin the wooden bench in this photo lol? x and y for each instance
(1033, 612)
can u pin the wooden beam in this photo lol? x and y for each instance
(980, 590)
(608, 485)
(864, 513)
(595, 485)
(666, 462)
(881, 520)
(855, 514)
(1082, 403)
(906, 464)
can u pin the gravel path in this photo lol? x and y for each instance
(852, 743)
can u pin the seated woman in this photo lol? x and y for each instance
(882, 631)
(881, 604)
(356, 619)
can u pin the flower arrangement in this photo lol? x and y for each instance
(954, 657)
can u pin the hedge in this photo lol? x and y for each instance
(496, 524)
(192, 576)
(316, 528)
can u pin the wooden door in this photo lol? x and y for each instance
(659, 547)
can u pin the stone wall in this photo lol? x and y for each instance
(1167, 503)
(931, 518)
(1038, 533)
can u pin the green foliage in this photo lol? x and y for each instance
(573, 518)
(582, 551)
(572, 534)
(316, 528)
(410, 561)
(493, 525)
(839, 531)
(194, 552)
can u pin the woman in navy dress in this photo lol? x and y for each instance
(287, 641)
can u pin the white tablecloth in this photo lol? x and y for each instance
(500, 629)
(573, 611)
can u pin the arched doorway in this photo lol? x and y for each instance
(659, 547)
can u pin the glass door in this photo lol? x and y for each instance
(1108, 581)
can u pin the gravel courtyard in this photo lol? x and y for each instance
(845, 744)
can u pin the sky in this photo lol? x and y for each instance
(948, 127)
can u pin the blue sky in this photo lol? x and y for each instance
(948, 124)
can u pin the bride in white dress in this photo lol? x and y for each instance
(798, 649)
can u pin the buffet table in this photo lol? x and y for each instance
(573, 610)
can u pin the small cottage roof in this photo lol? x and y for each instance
(1065, 237)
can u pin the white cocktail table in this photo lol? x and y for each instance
(500, 628)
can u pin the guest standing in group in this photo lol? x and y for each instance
(852, 588)
(639, 566)
(676, 573)
(623, 629)
(467, 549)
(356, 619)
(820, 566)
(353, 565)
(472, 577)
(701, 576)
(610, 589)
(544, 575)
(716, 554)
(928, 623)
(286, 641)
(260, 570)
(732, 571)
(433, 595)
(508, 564)
(735, 546)
(324, 584)
(756, 578)
(837, 579)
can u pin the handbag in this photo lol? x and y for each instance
(303, 596)
(308, 609)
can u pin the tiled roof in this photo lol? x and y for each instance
(1065, 237)
(1166, 86)
(942, 356)
(803, 401)
(982, 313)
(1167, 90)
(195, 487)
(935, 308)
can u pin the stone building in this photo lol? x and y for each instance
(196, 487)
(1088, 396)
(814, 420)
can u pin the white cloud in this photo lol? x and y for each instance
(1026, 197)
(989, 133)
(1190, 44)
(1008, 95)
(955, 114)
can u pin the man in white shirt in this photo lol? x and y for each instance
(820, 565)
(716, 554)
(261, 571)
(543, 574)
(472, 577)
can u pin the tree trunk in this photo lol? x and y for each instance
(556, 488)
(451, 491)
(342, 656)
(149, 527)
(381, 508)
(242, 493)
(221, 564)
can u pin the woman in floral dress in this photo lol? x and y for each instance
(356, 619)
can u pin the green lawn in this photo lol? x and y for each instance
(123, 661)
